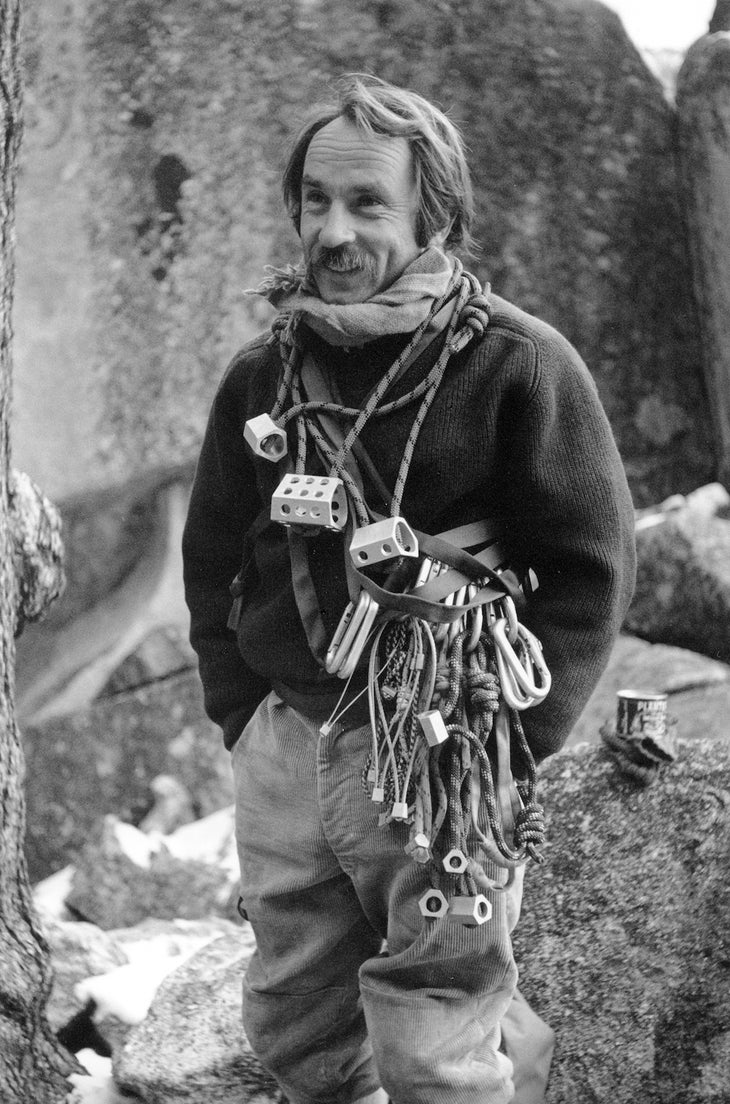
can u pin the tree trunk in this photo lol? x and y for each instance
(33, 1067)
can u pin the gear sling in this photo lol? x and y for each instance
(450, 667)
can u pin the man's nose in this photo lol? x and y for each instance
(336, 228)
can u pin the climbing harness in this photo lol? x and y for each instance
(450, 668)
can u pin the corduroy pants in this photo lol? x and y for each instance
(349, 987)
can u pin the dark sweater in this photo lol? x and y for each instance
(516, 433)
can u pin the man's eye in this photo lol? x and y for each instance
(315, 198)
(369, 201)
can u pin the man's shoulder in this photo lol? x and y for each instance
(250, 376)
(259, 351)
(511, 319)
(522, 337)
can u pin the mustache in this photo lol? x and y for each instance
(341, 258)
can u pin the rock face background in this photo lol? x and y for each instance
(150, 200)
(622, 944)
(703, 98)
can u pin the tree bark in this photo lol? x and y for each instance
(33, 1067)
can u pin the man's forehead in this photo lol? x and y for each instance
(342, 148)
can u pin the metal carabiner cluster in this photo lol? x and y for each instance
(471, 621)
(351, 636)
(523, 673)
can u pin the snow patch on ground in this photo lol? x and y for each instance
(126, 992)
(98, 1086)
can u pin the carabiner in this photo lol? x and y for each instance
(513, 694)
(509, 611)
(457, 626)
(442, 627)
(358, 644)
(523, 673)
(348, 634)
(347, 616)
(477, 620)
(536, 660)
(424, 572)
(520, 689)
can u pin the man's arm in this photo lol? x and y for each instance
(571, 518)
(223, 505)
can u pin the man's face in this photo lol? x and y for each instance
(359, 206)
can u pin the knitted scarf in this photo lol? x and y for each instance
(400, 308)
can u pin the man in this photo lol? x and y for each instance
(375, 665)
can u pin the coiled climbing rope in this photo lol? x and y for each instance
(452, 792)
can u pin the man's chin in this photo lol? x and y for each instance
(342, 299)
(341, 288)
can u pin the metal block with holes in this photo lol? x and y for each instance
(419, 848)
(264, 437)
(433, 905)
(381, 541)
(433, 727)
(455, 862)
(314, 500)
(470, 911)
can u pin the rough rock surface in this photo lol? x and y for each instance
(167, 139)
(125, 597)
(163, 652)
(78, 950)
(623, 949)
(105, 758)
(683, 583)
(105, 980)
(703, 105)
(191, 1047)
(148, 945)
(623, 944)
(698, 689)
(110, 889)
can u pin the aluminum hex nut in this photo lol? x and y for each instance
(470, 911)
(455, 862)
(265, 438)
(382, 540)
(433, 905)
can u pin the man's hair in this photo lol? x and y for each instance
(439, 158)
